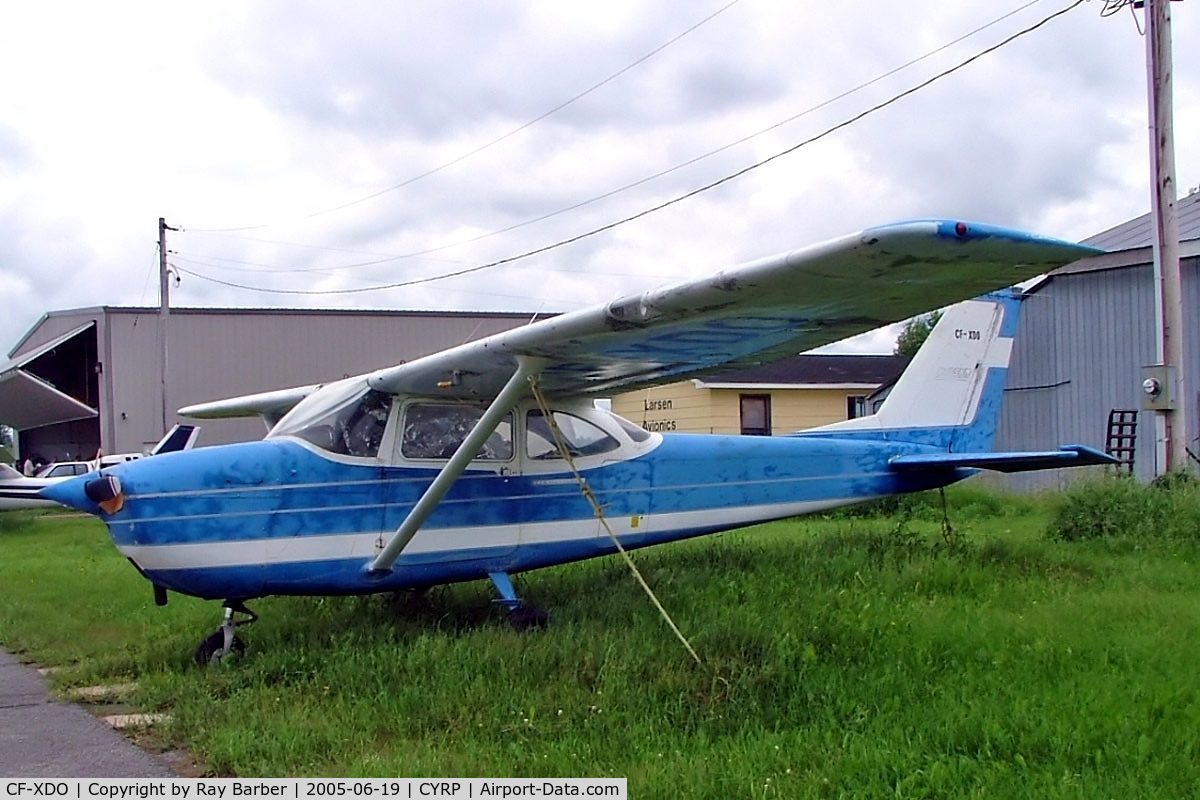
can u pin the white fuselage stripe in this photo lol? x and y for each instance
(299, 549)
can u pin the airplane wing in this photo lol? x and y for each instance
(749, 314)
(1072, 455)
(271, 406)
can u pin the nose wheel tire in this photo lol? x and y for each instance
(213, 651)
(222, 642)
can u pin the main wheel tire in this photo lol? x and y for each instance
(528, 618)
(209, 651)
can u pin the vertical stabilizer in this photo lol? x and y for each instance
(950, 394)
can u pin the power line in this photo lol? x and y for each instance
(677, 199)
(446, 289)
(245, 266)
(259, 267)
(299, 245)
(641, 181)
(1112, 7)
(513, 132)
(722, 148)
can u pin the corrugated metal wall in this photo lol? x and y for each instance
(56, 324)
(1081, 345)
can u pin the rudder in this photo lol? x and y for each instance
(951, 392)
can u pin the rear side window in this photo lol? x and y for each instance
(581, 437)
(633, 431)
(435, 430)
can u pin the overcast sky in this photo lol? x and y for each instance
(280, 119)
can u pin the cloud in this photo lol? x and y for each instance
(269, 116)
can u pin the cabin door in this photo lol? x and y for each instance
(478, 517)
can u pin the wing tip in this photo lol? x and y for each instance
(962, 230)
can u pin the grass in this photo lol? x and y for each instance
(850, 655)
(1119, 508)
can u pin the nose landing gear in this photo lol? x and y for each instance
(220, 644)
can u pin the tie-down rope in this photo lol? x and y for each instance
(561, 443)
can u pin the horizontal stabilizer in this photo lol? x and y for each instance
(1071, 455)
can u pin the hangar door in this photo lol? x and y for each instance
(50, 394)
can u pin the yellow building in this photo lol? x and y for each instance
(785, 396)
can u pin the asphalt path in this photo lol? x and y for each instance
(44, 738)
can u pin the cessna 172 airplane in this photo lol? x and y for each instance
(479, 461)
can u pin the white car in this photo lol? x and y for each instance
(64, 469)
(67, 469)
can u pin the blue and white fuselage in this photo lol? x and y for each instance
(282, 517)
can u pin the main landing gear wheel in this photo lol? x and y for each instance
(528, 618)
(521, 616)
(222, 643)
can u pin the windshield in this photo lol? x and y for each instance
(347, 418)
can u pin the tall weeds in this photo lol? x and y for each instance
(1118, 506)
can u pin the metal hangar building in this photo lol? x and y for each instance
(90, 379)
(1086, 332)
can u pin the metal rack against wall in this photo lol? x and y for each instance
(1122, 436)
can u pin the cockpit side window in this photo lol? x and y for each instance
(435, 430)
(352, 428)
(363, 427)
(581, 437)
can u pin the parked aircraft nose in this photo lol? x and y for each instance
(72, 493)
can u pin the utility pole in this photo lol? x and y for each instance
(1168, 293)
(164, 311)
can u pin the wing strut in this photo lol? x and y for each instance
(485, 427)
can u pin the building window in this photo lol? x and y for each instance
(856, 406)
(756, 414)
